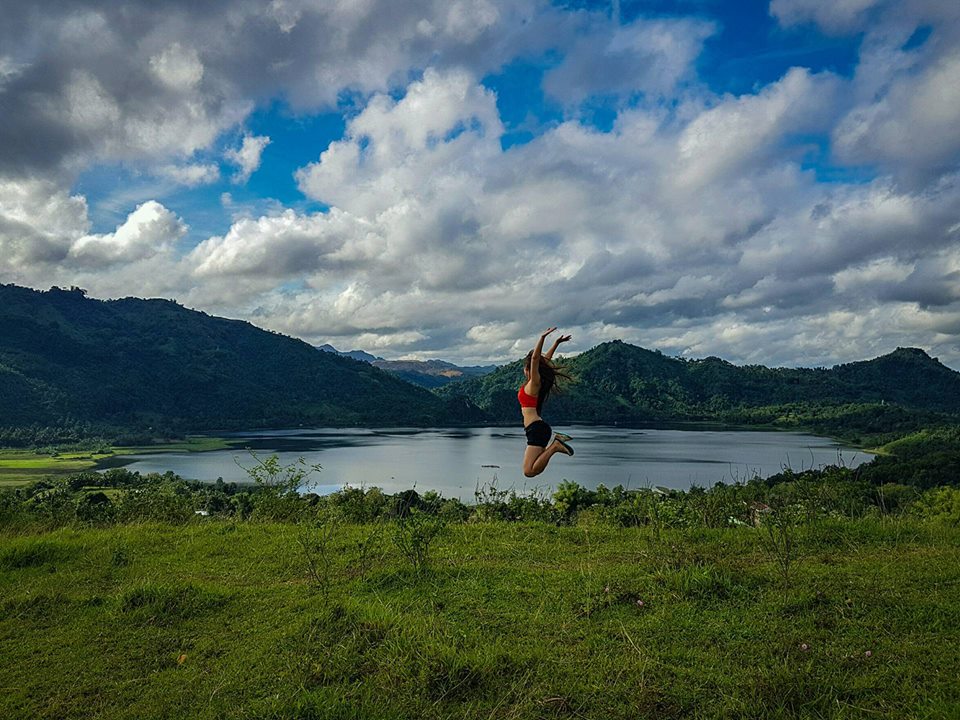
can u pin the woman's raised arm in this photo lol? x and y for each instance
(535, 358)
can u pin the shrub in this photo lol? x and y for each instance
(356, 504)
(414, 534)
(632, 511)
(452, 510)
(94, 508)
(11, 508)
(316, 539)
(495, 504)
(156, 502)
(52, 506)
(570, 497)
(405, 503)
(940, 505)
(894, 498)
(778, 534)
(278, 498)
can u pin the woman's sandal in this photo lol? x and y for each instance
(562, 437)
(569, 450)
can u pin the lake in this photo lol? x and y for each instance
(455, 461)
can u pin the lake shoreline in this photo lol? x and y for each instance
(455, 461)
(20, 467)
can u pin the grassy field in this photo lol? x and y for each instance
(21, 467)
(223, 619)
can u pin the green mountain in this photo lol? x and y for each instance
(616, 381)
(66, 360)
(153, 363)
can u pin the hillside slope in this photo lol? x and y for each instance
(616, 381)
(134, 362)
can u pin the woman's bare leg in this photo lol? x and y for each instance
(535, 458)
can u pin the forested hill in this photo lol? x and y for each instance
(136, 363)
(616, 381)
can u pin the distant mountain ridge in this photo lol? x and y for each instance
(352, 354)
(425, 373)
(616, 381)
(134, 362)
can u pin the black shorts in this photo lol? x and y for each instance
(538, 433)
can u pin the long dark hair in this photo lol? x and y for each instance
(549, 372)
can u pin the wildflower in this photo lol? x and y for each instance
(639, 603)
(606, 589)
(869, 653)
(804, 647)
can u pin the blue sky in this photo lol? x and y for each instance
(771, 182)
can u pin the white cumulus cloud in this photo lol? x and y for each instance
(147, 231)
(913, 128)
(739, 130)
(178, 67)
(645, 56)
(247, 156)
(191, 175)
(834, 16)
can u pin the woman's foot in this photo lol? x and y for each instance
(564, 448)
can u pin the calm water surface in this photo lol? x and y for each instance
(455, 461)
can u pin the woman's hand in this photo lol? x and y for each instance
(548, 331)
(556, 343)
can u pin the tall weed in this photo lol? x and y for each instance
(414, 534)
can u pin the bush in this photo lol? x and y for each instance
(894, 498)
(356, 504)
(155, 502)
(570, 497)
(413, 535)
(495, 504)
(94, 508)
(278, 499)
(11, 508)
(52, 506)
(632, 511)
(940, 505)
(453, 510)
(405, 503)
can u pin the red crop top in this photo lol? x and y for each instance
(526, 401)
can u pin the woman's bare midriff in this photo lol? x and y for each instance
(530, 415)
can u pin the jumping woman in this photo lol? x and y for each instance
(541, 375)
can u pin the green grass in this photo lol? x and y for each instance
(21, 467)
(222, 620)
